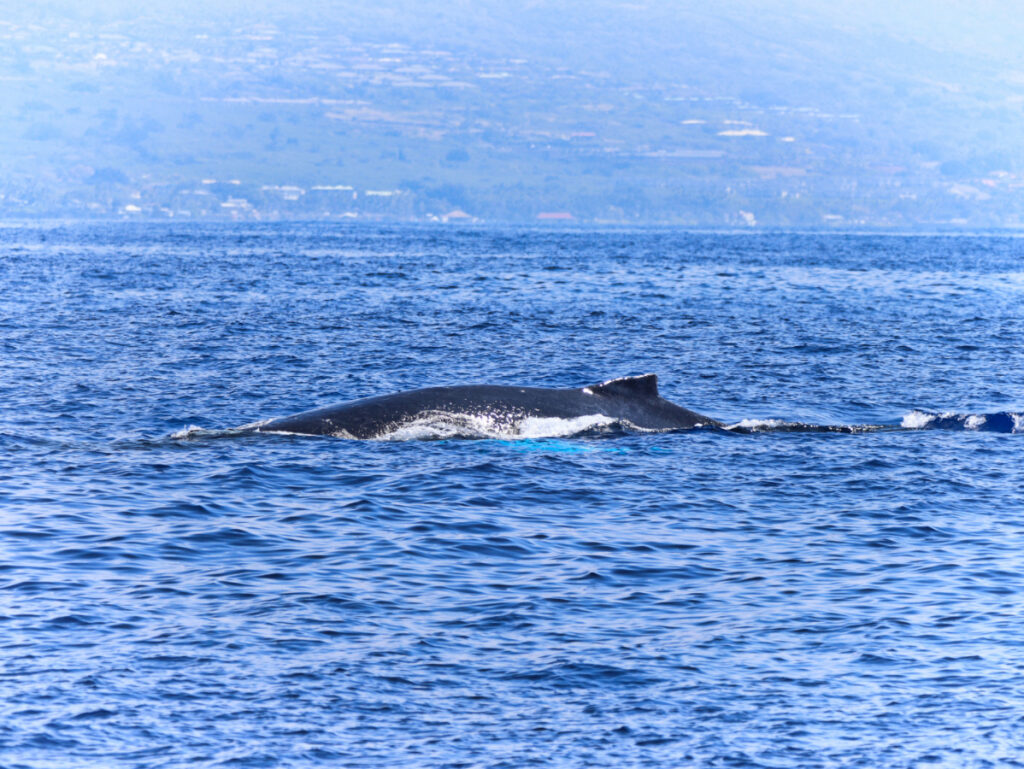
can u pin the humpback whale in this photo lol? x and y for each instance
(631, 403)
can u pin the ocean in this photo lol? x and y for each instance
(176, 593)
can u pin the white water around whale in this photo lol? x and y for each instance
(446, 425)
(1005, 422)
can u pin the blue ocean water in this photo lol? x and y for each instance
(175, 596)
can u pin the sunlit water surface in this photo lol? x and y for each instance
(174, 596)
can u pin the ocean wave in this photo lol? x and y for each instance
(996, 422)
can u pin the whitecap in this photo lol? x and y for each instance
(975, 421)
(917, 420)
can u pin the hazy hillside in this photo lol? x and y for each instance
(725, 114)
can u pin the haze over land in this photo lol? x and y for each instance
(738, 113)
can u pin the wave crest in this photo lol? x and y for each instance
(997, 422)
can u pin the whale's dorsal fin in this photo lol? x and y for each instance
(644, 386)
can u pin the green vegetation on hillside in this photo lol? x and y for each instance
(606, 112)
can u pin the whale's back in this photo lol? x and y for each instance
(632, 402)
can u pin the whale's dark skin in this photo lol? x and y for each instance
(633, 401)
